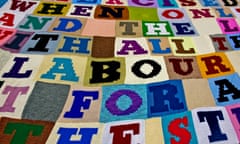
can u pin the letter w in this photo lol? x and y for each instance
(21, 5)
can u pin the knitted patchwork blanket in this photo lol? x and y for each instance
(119, 71)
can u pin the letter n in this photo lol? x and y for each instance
(111, 12)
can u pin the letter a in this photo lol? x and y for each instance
(62, 66)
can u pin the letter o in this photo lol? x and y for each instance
(168, 14)
(111, 103)
(136, 68)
